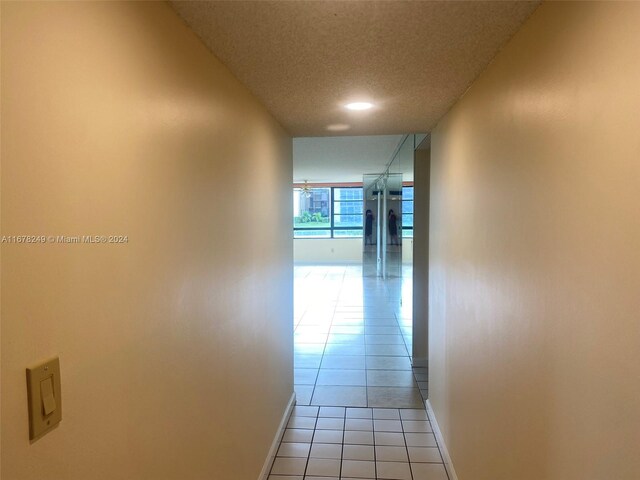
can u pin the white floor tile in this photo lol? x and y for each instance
(420, 440)
(429, 471)
(330, 424)
(391, 454)
(328, 436)
(289, 466)
(356, 378)
(323, 467)
(358, 452)
(300, 450)
(297, 435)
(359, 424)
(424, 455)
(303, 394)
(350, 362)
(413, 414)
(337, 395)
(305, 376)
(359, 413)
(305, 411)
(308, 423)
(416, 426)
(358, 468)
(393, 470)
(391, 439)
(326, 450)
(332, 412)
(358, 438)
(387, 425)
(386, 414)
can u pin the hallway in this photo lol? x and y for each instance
(366, 443)
(164, 165)
(353, 339)
(359, 411)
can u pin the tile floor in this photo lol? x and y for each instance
(360, 405)
(358, 443)
(353, 339)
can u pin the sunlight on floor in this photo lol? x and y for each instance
(353, 339)
(360, 406)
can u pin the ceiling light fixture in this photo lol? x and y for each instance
(359, 106)
(338, 127)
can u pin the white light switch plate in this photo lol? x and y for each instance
(43, 398)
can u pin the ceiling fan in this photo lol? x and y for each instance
(306, 190)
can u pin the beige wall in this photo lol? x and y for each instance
(535, 254)
(330, 251)
(421, 195)
(407, 251)
(318, 251)
(175, 348)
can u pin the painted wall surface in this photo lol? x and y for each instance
(421, 195)
(407, 251)
(176, 346)
(534, 254)
(325, 251)
(320, 251)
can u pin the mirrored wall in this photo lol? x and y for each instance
(388, 218)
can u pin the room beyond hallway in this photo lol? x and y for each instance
(353, 338)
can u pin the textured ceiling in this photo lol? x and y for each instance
(305, 59)
(343, 159)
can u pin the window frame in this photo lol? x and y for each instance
(408, 229)
(332, 228)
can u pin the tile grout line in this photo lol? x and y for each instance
(405, 444)
(344, 426)
(313, 436)
(375, 455)
(315, 383)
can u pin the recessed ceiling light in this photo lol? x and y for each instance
(359, 106)
(338, 127)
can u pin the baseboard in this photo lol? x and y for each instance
(448, 464)
(419, 362)
(266, 468)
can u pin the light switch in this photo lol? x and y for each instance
(46, 393)
(45, 399)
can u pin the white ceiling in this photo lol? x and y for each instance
(345, 159)
(305, 59)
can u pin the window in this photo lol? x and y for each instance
(334, 212)
(312, 213)
(407, 212)
(347, 212)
